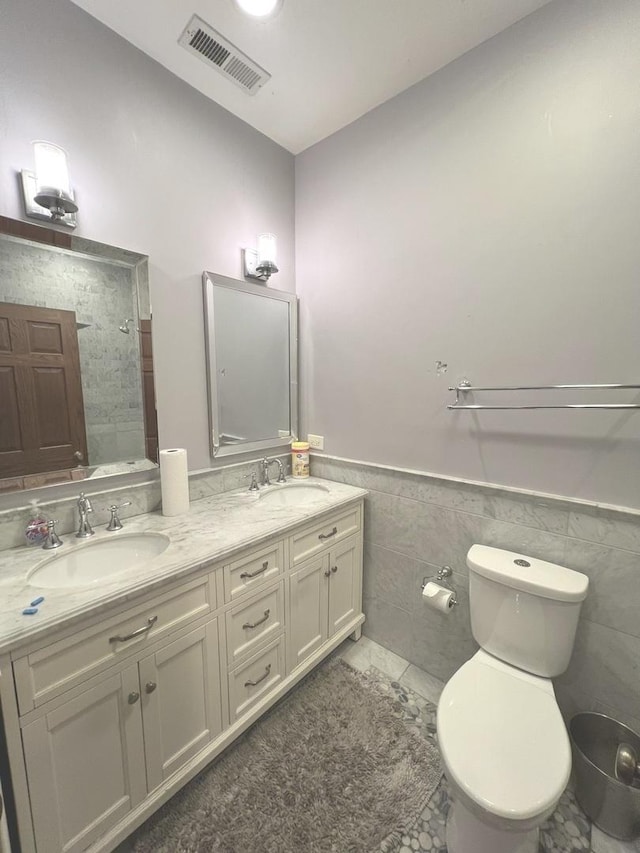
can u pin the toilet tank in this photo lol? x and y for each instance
(524, 611)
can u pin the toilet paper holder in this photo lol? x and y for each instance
(441, 578)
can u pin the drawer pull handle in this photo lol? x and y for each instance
(328, 535)
(133, 698)
(255, 574)
(259, 622)
(258, 680)
(151, 621)
(334, 569)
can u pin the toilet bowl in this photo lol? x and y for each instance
(507, 762)
(504, 745)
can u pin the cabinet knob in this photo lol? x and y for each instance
(150, 686)
(334, 569)
(327, 573)
(133, 698)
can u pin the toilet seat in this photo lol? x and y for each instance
(502, 739)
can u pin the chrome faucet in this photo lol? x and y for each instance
(84, 508)
(265, 470)
(264, 467)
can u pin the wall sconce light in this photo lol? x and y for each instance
(47, 191)
(260, 263)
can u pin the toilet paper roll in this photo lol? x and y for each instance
(438, 597)
(174, 481)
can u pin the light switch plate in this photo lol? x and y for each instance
(316, 442)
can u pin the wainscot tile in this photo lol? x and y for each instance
(390, 576)
(387, 625)
(607, 529)
(441, 643)
(606, 666)
(614, 582)
(365, 653)
(529, 512)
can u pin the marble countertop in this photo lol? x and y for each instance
(214, 528)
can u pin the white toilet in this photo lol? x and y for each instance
(504, 745)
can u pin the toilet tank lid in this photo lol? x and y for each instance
(528, 574)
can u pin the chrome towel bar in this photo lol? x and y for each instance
(465, 386)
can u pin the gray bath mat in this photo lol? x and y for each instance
(329, 770)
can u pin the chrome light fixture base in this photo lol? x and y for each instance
(259, 271)
(53, 206)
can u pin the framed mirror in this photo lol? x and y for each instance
(76, 364)
(251, 334)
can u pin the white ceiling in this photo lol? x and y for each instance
(331, 61)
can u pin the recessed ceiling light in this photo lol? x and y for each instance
(259, 8)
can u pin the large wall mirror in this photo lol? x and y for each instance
(76, 365)
(252, 356)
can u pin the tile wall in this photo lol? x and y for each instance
(144, 496)
(415, 523)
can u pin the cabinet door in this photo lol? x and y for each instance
(85, 762)
(181, 707)
(344, 566)
(309, 597)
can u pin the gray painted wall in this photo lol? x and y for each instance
(156, 168)
(486, 218)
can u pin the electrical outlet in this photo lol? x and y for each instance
(316, 442)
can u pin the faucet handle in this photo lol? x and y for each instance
(53, 540)
(254, 487)
(114, 521)
(86, 503)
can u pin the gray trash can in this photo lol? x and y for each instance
(611, 805)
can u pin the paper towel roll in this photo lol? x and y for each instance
(174, 481)
(438, 597)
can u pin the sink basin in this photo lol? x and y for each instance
(92, 563)
(294, 494)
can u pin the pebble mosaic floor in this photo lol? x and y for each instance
(566, 831)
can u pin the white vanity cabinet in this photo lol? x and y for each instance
(325, 595)
(105, 721)
(92, 758)
(326, 581)
(180, 700)
(85, 764)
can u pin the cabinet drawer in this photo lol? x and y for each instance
(250, 681)
(252, 570)
(311, 540)
(47, 672)
(252, 623)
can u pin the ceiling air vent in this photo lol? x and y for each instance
(199, 38)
